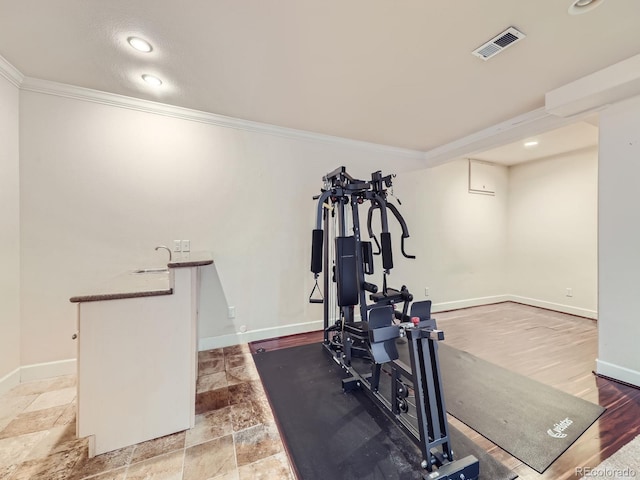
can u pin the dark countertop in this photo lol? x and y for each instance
(140, 283)
(191, 259)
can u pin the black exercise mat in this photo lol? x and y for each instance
(333, 435)
(524, 417)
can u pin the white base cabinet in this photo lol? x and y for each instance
(137, 365)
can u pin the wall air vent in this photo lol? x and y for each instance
(498, 43)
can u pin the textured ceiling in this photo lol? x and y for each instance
(394, 73)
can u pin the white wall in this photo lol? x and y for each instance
(552, 233)
(619, 242)
(459, 238)
(529, 243)
(101, 186)
(10, 237)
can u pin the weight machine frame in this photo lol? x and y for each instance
(373, 338)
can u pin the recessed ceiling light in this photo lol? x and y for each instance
(531, 144)
(140, 44)
(578, 7)
(151, 80)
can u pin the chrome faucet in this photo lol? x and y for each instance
(166, 248)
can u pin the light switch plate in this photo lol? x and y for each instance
(186, 245)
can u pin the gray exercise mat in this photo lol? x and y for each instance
(338, 436)
(532, 421)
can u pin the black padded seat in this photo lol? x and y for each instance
(391, 296)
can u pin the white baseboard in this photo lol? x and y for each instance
(469, 302)
(209, 343)
(39, 371)
(558, 307)
(9, 381)
(534, 302)
(618, 372)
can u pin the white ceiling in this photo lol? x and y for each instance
(393, 73)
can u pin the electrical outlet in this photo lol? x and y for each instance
(231, 313)
(569, 292)
(186, 245)
(426, 291)
(177, 245)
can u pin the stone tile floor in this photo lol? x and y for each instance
(234, 437)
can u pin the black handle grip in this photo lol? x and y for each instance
(367, 257)
(402, 248)
(403, 225)
(316, 300)
(373, 237)
(316, 251)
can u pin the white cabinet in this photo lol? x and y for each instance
(137, 365)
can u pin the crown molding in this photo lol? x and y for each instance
(115, 100)
(597, 90)
(531, 123)
(10, 72)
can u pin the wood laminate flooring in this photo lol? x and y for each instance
(554, 348)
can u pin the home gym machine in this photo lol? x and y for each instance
(367, 347)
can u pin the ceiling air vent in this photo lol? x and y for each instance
(498, 43)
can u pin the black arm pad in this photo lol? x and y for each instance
(387, 254)
(406, 295)
(316, 251)
(370, 287)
